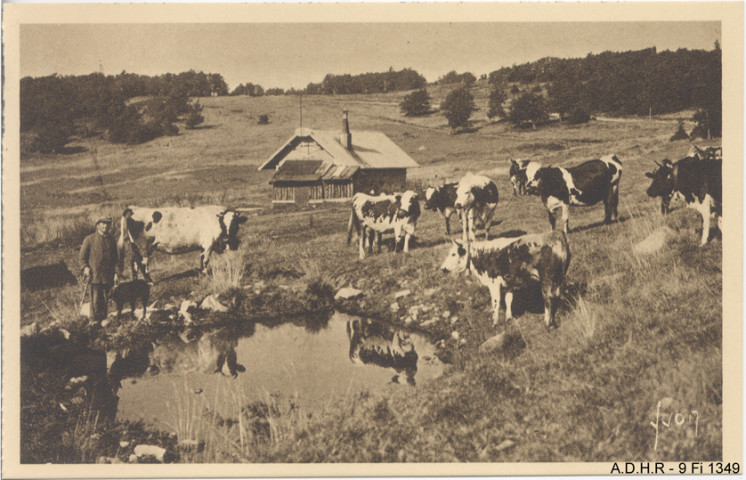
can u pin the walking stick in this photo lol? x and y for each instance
(85, 289)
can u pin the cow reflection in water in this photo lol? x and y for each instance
(378, 344)
(212, 352)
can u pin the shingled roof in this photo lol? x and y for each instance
(370, 149)
(311, 171)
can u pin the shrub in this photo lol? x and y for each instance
(416, 103)
(194, 115)
(458, 107)
(680, 133)
(263, 119)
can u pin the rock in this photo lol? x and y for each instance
(124, 444)
(394, 307)
(154, 451)
(654, 242)
(402, 294)
(504, 445)
(108, 460)
(453, 319)
(348, 293)
(212, 304)
(186, 309)
(85, 309)
(446, 314)
(105, 323)
(133, 458)
(493, 344)
(30, 330)
(429, 323)
(189, 445)
(421, 148)
(408, 321)
(430, 292)
(76, 380)
(455, 335)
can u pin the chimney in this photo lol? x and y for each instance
(346, 137)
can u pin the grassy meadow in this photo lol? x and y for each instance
(634, 330)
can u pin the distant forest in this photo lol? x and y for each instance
(53, 108)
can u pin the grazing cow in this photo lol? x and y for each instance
(708, 153)
(513, 264)
(517, 174)
(378, 344)
(699, 182)
(177, 230)
(583, 185)
(476, 196)
(374, 215)
(442, 199)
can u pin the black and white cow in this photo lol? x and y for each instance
(513, 264)
(476, 197)
(178, 230)
(442, 199)
(707, 153)
(517, 174)
(583, 185)
(374, 215)
(699, 182)
(375, 343)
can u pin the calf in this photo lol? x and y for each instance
(513, 264)
(442, 199)
(698, 182)
(178, 230)
(374, 215)
(517, 174)
(583, 185)
(476, 196)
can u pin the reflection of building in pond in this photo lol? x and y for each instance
(374, 343)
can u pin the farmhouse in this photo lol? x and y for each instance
(316, 166)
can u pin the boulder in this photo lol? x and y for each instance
(154, 451)
(348, 293)
(493, 344)
(654, 242)
(402, 294)
(212, 304)
(30, 330)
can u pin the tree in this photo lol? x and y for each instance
(528, 108)
(496, 100)
(194, 115)
(458, 107)
(416, 103)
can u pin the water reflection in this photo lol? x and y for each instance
(375, 343)
(310, 363)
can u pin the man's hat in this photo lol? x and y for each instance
(104, 220)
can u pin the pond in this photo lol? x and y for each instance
(224, 370)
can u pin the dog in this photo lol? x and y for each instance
(130, 292)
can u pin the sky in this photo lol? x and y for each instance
(293, 54)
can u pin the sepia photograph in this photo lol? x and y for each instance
(372, 239)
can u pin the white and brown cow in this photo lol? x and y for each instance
(476, 198)
(512, 264)
(698, 181)
(583, 185)
(442, 199)
(177, 230)
(373, 215)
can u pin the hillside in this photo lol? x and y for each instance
(634, 330)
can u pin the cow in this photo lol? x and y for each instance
(699, 182)
(707, 153)
(583, 185)
(664, 185)
(513, 264)
(387, 347)
(517, 174)
(442, 199)
(374, 215)
(176, 230)
(476, 196)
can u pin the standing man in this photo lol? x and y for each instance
(98, 257)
